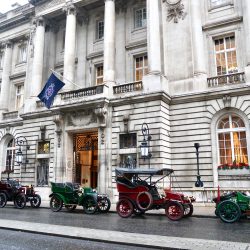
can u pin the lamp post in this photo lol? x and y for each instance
(198, 183)
(145, 153)
(21, 158)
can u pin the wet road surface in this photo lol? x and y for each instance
(193, 227)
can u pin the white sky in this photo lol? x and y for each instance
(5, 5)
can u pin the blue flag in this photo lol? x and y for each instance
(50, 90)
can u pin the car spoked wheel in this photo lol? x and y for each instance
(104, 204)
(229, 211)
(20, 201)
(188, 210)
(56, 203)
(174, 210)
(124, 208)
(35, 201)
(3, 200)
(70, 208)
(90, 205)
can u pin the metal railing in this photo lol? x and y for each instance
(10, 115)
(128, 87)
(82, 92)
(229, 79)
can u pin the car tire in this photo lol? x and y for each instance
(174, 210)
(229, 211)
(35, 201)
(144, 201)
(3, 200)
(188, 210)
(55, 203)
(124, 208)
(104, 204)
(90, 205)
(20, 201)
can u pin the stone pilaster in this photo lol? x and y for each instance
(197, 39)
(70, 46)
(153, 36)
(109, 42)
(246, 23)
(37, 69)
(5, 85)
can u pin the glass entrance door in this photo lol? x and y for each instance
(86, 159)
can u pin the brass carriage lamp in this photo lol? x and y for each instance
(19, 156)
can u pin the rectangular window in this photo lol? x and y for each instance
(128, 140)
(217, 3)
(19, 96)
(43, 147)
(128, 161)
(100, 29)
(22, 56)
(141, 67)
(225, 51)
(99, 74)
(140, 18)
(43, 173)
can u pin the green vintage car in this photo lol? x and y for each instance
(71, 195)
(232, 206)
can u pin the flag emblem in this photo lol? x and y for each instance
(50, 90)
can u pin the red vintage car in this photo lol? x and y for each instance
(138, 193)
(11, 190)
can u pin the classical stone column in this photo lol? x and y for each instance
(37, 69)
(153, 36)
(109, 42)
(5, 86)
(246, 23)
(70, 45)
(197, 39)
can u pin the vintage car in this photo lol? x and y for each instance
(138, 193)
(70, 195)
(232, 206)
(12, 190)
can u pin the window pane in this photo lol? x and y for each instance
(140, 18)
(43, 173)
(237, 122)
(128, 140)
(43, 147)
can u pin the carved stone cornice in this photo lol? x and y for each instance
(175, 9)
(39, 21)
(120, 6)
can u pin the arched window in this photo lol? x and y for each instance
(232, 142)
(10, 156)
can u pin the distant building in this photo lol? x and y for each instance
(180, 66)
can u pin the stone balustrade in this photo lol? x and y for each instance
(10, 115)
(128, 87)
(234, 78)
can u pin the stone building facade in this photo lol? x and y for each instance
(180, 66)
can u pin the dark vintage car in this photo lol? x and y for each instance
(138, 193)
(12, 190)
(70, 195)
(232, 206)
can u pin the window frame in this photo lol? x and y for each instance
(42, 163)
(12, 153)
(143, 68)
(21, 58)
(96, 72)
(224, 52)
(19, 95)
(143, 21)
(230, 130)
(97, 35)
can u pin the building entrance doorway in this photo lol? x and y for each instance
(86, 159)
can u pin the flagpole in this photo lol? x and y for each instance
(53, 71)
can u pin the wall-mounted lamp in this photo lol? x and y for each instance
(21, 157)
